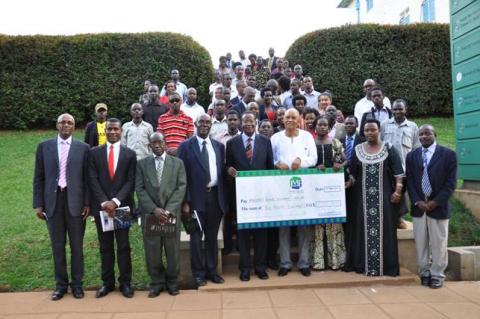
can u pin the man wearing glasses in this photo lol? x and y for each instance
(175, 125)
(365, 104)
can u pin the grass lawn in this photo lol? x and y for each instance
(25, 253)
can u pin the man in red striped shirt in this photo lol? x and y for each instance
(175, 125)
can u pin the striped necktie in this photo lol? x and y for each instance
(349, 147)
(159, 163)
(248, 149)
(426, 186)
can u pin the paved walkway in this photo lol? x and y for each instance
(455, 300)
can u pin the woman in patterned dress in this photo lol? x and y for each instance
(328, 245)
(376, 175)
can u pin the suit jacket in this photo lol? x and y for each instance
(274, 63)
(169, 194)
(371, 115)
(235, 101)
(91, 134)
(240, 108)
(262, 158)
(45, 180)
(442, 173)
(189, 152)
(358, 139)
(121, 187)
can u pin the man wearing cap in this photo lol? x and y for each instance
(95, 131)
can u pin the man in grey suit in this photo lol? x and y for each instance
(160, 183)
(60, 197)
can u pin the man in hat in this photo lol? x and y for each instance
(95, 131)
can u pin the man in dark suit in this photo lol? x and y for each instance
(60, 196)
(111, 171)
(431, 172)
(204, 163)
(95, 130)
(160, 183)
(249, 96)
(250, 151)
(350, 141)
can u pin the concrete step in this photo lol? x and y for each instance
(294, 280)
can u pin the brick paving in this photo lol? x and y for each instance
(456, 300)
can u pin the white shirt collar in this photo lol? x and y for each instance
(115, 145)
(431, 148)
(224, 120)
(163, 156)
(68, 140)
(200, 140)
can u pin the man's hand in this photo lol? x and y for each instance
(296, 163)
(161, 214)
(110, 207)
(321, 167)
(337, 166)
(395, 198)
(431, 205)
(39, 212)
(186, 210)
(232, 172)
(422, 206)
(85, 212)
(282, 166)
(348, 184)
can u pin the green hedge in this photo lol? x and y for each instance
(410, 62)
(43, 76)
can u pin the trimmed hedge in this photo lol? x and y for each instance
(44, 76)
(410, 62)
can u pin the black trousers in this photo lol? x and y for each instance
(107, 255)
(59, 225)
(259, 237)
(272, 246)
(204, 263)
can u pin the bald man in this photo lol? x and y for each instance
(60, 197)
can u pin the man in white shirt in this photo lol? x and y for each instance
(181, 88)
(293, 149)
(243, 60)
(135, 133)
(191, 107)
(219, 120)
(310, 94)
(365, 104)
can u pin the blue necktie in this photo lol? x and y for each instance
(426, 186)
(349, 148)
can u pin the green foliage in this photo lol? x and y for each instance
(43, 76)
(410, 62)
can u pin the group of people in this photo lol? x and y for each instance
(182, 159)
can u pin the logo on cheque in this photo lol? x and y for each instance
(295, 182)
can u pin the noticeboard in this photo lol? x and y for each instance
(465, 53)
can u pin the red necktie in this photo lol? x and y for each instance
(111, 163)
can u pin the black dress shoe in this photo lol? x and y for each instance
(216, 278)
(126, 290)
(305, 272)
(58, 294)
(262, 275)
(436, 283)
(154, 292)
(103, 291)
(283, 271)
(78, 293)
(173, 290)
(200, 282)
(245, 276)
(272, 266)
(425, 280)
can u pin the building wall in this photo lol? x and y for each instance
(389, 11)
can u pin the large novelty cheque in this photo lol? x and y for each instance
(282, 198)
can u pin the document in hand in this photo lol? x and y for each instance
(153, 227)
(121, 220)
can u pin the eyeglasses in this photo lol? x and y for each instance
(174, 100)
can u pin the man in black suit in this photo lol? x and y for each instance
(431, 172)
(60, 196)
(250, 151)
(95, 130)
(350, 141)
(111, 171)
(249, 96)
(204, 164)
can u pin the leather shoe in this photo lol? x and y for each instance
(272, 265)
(425, 280)
(283, 271)
(173, 290)
(245, 276)
(103, 291)
(154, 292)
(78, 293)
(200, 282)
(305, 272)
(436, 283)
(262, 275)
(126, 290)
(58, 294)
(216, 278)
